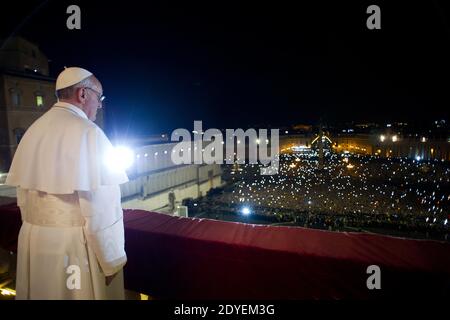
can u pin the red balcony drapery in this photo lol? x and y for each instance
(185, 258)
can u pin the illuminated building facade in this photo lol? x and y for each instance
(154, 176)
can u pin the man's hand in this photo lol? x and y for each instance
(109, 279)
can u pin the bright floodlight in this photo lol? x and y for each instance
(382, 137)
(120, 158)
(245, 211)
(418, 158)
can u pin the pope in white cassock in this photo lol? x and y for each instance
(71, 243)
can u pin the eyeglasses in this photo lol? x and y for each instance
(100, 97)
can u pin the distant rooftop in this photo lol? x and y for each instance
(22, 57)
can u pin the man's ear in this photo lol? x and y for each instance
(80, 94)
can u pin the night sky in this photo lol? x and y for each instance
(232, 65)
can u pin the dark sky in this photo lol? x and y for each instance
(233, 65)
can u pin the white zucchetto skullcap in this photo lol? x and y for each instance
(70, 76)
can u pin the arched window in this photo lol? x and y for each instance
(39, 98)
(18, 133)
(15, 95)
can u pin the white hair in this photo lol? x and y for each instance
(67, 93)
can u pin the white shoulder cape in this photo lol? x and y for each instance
(63, 152)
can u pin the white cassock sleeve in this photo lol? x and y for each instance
(104, 229)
